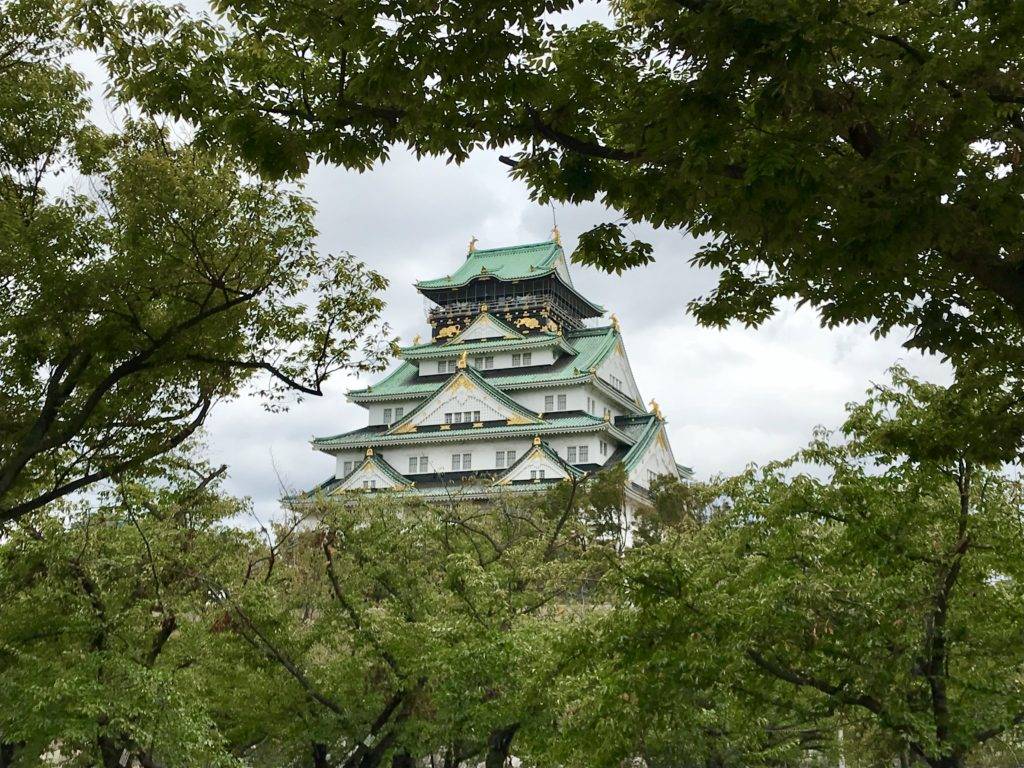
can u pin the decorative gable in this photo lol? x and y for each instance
(654, 459)
(486, 326)
(466, 392)
(374, 474)
(539, 464)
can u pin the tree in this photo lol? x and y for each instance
(132, 307)
(883, 590)
(393, 631)
(862, 157)
(110, 652)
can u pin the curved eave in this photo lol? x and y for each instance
(360, 440)
(442, 351)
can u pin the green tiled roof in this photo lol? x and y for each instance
(511, 263)
(552, 454)
(514, 262)
(370, 437)
(478, 380)
(590, 345)
(452, 349)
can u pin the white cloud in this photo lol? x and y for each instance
(731, 396)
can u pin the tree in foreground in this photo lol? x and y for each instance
(142, 280)
(880, 594)
(863, 157)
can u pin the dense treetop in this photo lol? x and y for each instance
(863, 156)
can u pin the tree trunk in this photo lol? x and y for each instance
(7, 753)
(499, 743)
(402, 759)
(320, 756)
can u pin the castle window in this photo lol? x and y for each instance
(526, 358)
(549, 403)
(413, 462)
(347, 470)
(604, 448)
(584, 454)
(467, 461)
(483, 362)
(423, 464)
(456, 462)
(570, 454)
(517, 359)
(457, 418)
(561, 402)
(387, 415)
(399, 412)
(510, 457)
(499, 459)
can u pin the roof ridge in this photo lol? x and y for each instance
(480, 251)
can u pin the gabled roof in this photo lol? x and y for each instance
(502, 330)
(590, 347)
(335, 484)
(542, 448)
(645, 431)
(475, 379)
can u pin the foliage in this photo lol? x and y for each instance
(882, 592)
(105, 630)
(862, 157)
(132, 307)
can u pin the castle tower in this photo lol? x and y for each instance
(513, 392)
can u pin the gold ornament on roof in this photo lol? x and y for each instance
(556, 236)
(483, 308)
(416, 339)
(656, 409)
(461, 361)
(536, 440)
(369, 451)
(615, 322)
(472, 245)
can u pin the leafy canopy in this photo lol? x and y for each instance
(862, 157)
(142, 281)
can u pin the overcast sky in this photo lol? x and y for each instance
(731, 396)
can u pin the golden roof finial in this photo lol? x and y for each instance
(416, 339)
(615, 322)
(472, 244)
(369, 451)
(656, 410)
(556, 236)
(461, 361)
(484, 308)
(536, 439)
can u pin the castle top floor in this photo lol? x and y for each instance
(527, 286)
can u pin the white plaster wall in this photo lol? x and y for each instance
(502, 361)
(616, 364)
(439, 456)
(376, 410)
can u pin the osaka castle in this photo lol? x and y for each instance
(521, 385)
